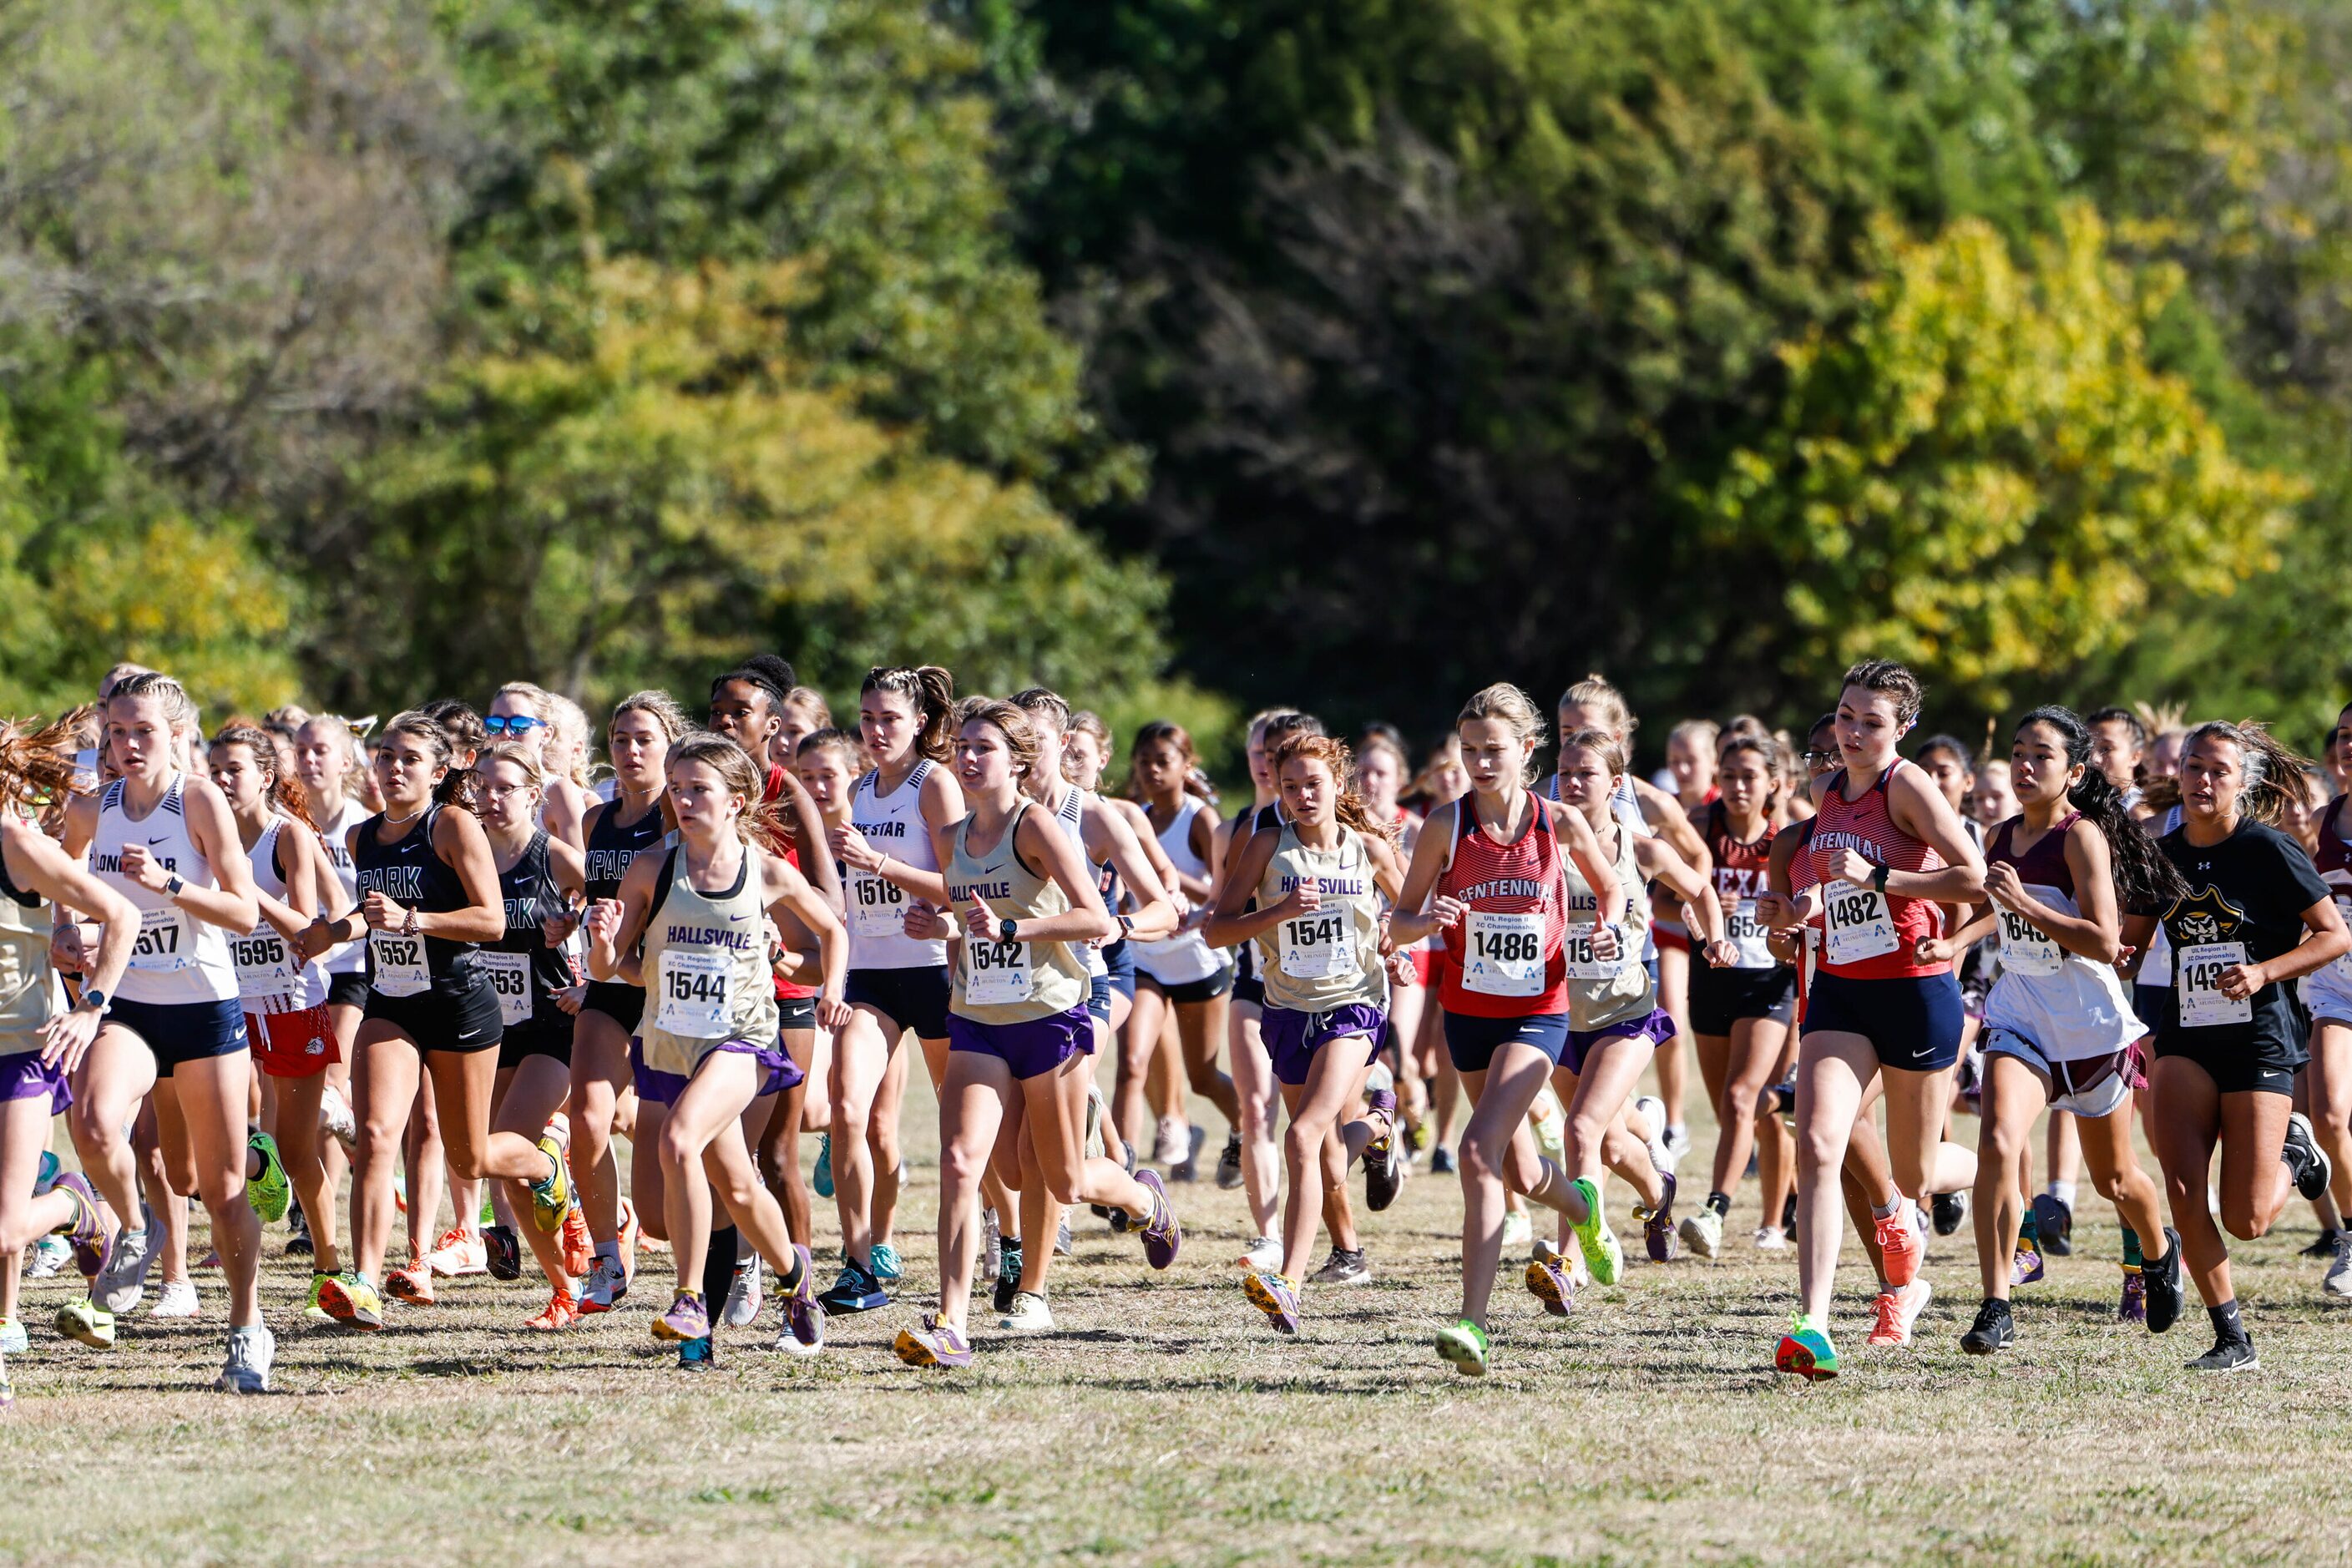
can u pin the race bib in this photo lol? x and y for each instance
(399, 967)
(1749, 934)
(1859, 924)
(1316, 946)
(2343, 965)
(2202, 1005)
(1576, 945)
(509, 975)
(1502, 955)
(165, 943)
(2026, 947)
(694, 994)
(264, 965)
(878, 906)
(997, 972)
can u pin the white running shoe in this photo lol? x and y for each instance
(1343, 1268)
(607, 1283)
(458, 1256)
(2338, 1283)
(1772, 1239)
(14, 1340)
(1027, 1315)
(335, 1116)
(1175, 1144)
(177, 1299)
(47, 1256)
(124, 1282)
(1262, 1256)
(1663, 1158)
(1517, 1229)
(250, 1351)
(743, 1296)
(1703, 1232)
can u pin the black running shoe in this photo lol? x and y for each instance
(1994, 1329)
(1951, 1210)
(1008, 1277)
(502, 1251)
(2162, 1277)
(697, 1355)
(2227, 1356)
(1789, 1215)
(2324, 1246)
(2054, 1221)
(2306, 1161)
(1440, 1161)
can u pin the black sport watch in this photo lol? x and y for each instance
(1006, 929)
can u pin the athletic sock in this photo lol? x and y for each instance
(2029, 1235)
(2227, 1324)
(1886, 1210)
(2063, 1191)
(1719, 1204)
(2132, 1258)
(718, 1265)
(611, 1249)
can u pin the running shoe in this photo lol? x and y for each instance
(685, 1319)
(551, 1194)
(176, 1299)
(1807, 1354)
(1948, 1212)
(2338, 1283)
(456, 1254)
(803, 1317)
(1593, 1237)
(1703, 1232)
(1549, 1123)
(313, 1309)
(1658, 1225)
(2026, 1267)
(1517, 1229)
(250, 1351)
(1994, 1329)
(349, 1299)
(607, 1282)
(937, 1344)
(93, 1248)
(335, 1116)
(1419, 1136)
(1262, 1256)
(1174, 1140)
(697, 1355)
(743, 1295)
(1549, 1282)
(124, 1281)
(412, 1284)
(1677, 1143)
(1770, 1238)
(1383, 1156)
(822, 1179)
(47, 1256)
(2306, 1161)
(1440, 1161)
(502, 1253)
(1008, 1280)
(1026, 1314)
(855, 1291)
(1461, 1344)
(578, 1246)
(2322, 1245)
(1343, 1268)
(2133, 1308)
(1229, 1164)
(2162, 1277)
(1163, 1235)
(563, 1310)
(1653, 1131)
(14, 1339)
(1900, 1245)
(1188, 1169)
(2228, 1355)
(1277, 1298)
(1065, 1244)
(2053, 1223)
(268, 1193)
(1895, 1312)
(88, 1321)
(299, 1243)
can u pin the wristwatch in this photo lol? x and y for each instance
(1878, 880)
(92, 997)
(172, 885)
(1006, 929)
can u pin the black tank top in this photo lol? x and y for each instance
(411, 875)
(531, 895)
(611, 846)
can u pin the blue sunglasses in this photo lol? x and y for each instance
(521, 725)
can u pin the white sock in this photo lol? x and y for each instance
(611, 1249)
(2063, 1191)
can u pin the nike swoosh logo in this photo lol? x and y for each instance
(732, 919)
(152, 843)
(468, 1036)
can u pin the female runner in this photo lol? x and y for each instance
(2059, 1030)
(1021, 1042)
(541, 879)
(1741, 1014)
(689, 926)
(526, 715)
(1886, 847)
(1493, 859)
(2328, 996)
(828, 763)
(328, 764)
(892, 851)
(1317, 880)
(286, 1018)
(1444, 778)
(2227, 1047)
(1086, 753)
(633, 822)
(428, 898)
(1381, 769)
(166, 840)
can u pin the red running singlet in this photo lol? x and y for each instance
(1516, 879)
(1862, 920)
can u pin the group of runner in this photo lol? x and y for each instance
(448, 952)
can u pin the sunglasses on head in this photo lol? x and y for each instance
(521, 725)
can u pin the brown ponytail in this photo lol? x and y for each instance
(285, 794)
(1333, 754)
(37, 760)
(931, 691)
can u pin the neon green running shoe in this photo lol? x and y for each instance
(312, 1311)
(551, 1197)
(88, 1321)
(1807, 1354)
(1602, 1257)
(1463, 1344)
(269, 1192)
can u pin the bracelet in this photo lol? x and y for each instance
(408, 926)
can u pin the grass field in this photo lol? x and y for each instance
(1166, 1423)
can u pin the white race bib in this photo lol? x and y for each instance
(694, 994)
(509, 975)
(1502, 954)
(1858, 924)
(997, 972)
(878, 906)
(2202, 1005)
(1576, 944)
(2343, 965)
(1316, 946)
(167, 943)
(264, 965)
(1749, 934)
(399, 967)
(2026, 947)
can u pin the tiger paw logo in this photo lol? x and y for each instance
(2204, 916)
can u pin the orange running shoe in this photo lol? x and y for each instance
(579, 1251)
(562, 1312)
(1899, 1245)
(412, 1284)
(457, 1254)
